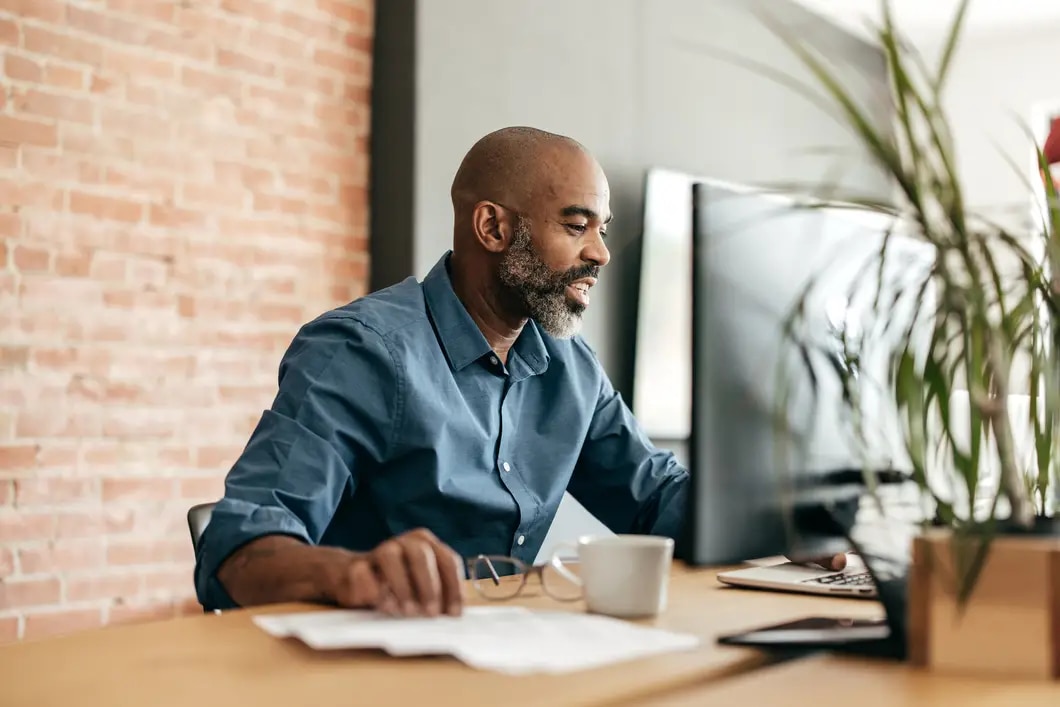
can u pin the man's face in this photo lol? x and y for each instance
(557, 249)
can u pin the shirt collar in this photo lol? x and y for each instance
(460, 337)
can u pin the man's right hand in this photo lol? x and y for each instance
(413, 574)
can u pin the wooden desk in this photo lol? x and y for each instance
(828, 680)
(226, 660)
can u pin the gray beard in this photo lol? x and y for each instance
(538, 288)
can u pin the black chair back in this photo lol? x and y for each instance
(198, 519)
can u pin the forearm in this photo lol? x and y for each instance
(279, 568)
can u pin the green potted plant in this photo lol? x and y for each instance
(984, 587)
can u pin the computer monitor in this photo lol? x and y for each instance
(767, 481)
(662, 374)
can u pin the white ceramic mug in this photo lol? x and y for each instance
(622, 575)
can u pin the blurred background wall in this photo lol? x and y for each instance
(182, 184)
(642, 83)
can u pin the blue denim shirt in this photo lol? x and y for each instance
(393, 413)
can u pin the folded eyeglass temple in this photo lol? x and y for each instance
(493, 572)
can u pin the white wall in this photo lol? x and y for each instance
(995, 81)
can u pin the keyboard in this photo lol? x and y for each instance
(851, 579)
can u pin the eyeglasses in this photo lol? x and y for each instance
(497, 578)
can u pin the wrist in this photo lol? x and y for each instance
(333, 571)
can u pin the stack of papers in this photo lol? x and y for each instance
(511, 640)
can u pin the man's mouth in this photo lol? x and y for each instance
(579, 290)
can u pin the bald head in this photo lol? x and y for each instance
(509, 166)
(531, 211)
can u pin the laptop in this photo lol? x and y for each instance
(778, 575)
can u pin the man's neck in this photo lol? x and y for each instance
(487, 310)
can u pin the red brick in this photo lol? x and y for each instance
(54, 491)
(61, 45)
(12, 357)
(354, 66)
(259, 10)
(62, 556)
(209, 82)
(202, 488)
(18, 456)
(21, 131)
(140, 422)
(324, 31)
(158, 11)
(344, 10)
(178, 297)
(171, 217)
(105, 207)
(43, 422)
(359, 42)
(138, 613)
(137, 490)
(10, 227)
(17, 525)
(7, 562)
(246, 64)
(21, 68)
(17, 594)
(29, 258)
(64, 76)
(319, 81)
(123, 30)
(174, 582)
(57, 456)
(80, 524)
(9, 629)
(64, 621)
(148, 519)
(58, 107)
(9, 32)
(148, 552)
(51, 11)
(138, 62)
(112, 587)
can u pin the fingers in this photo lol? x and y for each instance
(834, 563)
(389, 561)
(451, 575)
(423, 567)
(419, 575)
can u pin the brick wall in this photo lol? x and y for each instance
(182, 184)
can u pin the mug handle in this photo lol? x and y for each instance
(557, 564)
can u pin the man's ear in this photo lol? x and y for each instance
(491, 226)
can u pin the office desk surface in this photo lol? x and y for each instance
(226, 660)
(828, 680)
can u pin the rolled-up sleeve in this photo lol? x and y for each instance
(333, 417)
(630, 485)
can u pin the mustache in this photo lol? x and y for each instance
(579, 273)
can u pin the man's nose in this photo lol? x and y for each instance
(596, 252)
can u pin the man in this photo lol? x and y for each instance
(434, 421)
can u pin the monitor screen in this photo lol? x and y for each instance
(753, 253)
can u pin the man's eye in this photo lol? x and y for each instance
(603, 233)
(577, 227)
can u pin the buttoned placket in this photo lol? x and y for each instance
(506, 468)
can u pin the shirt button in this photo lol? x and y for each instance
(506, 466)
(493, 360)
(521, 540)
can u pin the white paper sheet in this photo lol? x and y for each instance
(511, 640)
